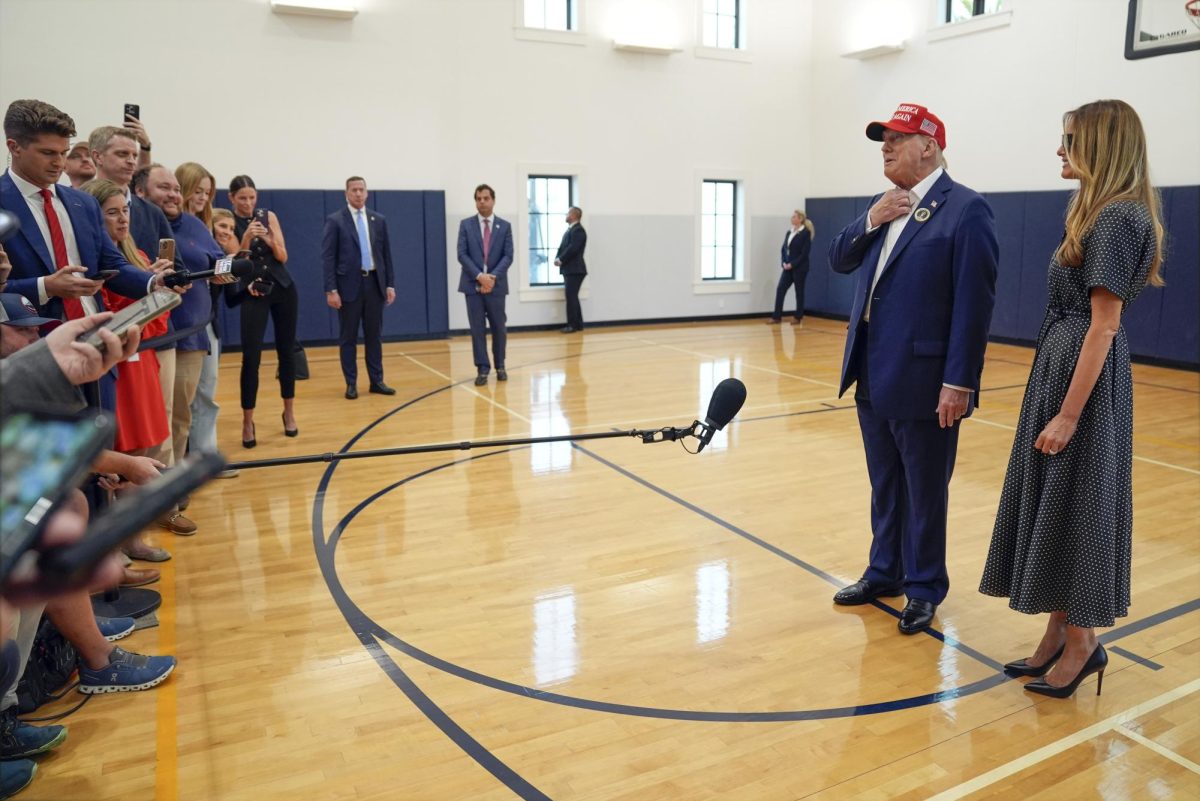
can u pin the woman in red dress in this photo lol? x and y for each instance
(142, 423)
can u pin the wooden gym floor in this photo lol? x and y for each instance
(615, 620)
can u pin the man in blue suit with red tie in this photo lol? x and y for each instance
(359, 282)
(62, 244)
(485, 252)
(918, 329)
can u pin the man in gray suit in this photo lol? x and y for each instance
(485, 251)
(570, 263)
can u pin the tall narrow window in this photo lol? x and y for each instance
(718, 228)
(550, 198)
(552, 15)
(723, 23)
(959, 10)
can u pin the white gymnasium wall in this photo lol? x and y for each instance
(427, 94)
(1000, 92)
(424, 94)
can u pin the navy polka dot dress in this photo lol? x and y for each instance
(1064, 530)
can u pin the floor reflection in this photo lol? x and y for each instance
(555, 651)
(712, 373)
(547, 419)
(712, 601)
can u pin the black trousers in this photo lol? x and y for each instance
(365, 310)
(572, 283)
(788, 278)
(282, 305)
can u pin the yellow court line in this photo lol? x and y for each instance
(166, 759)
(744, 364)
(1053, 749)
(1158, 748)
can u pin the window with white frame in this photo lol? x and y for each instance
(550, 197)
(723, 24)
(552, 15)
(718, 230)
(959, 10)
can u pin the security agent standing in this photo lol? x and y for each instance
(570, 263)
(917, 334)
(359, 281)
(485, 252)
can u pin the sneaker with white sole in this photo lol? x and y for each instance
(16, 776)
(21, 740)
(125, 672)
(115, 628)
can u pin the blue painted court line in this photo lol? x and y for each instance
(1141, 660)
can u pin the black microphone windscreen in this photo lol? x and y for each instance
(242, 267)
(726, 402)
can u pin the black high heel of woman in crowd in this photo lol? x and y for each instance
(1096, 663)
(250, 443)
(289, 432)
(1022, 668)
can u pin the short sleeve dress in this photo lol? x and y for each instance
(1064, 529)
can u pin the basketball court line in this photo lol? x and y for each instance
(1157, 748)
(166, 706)
(745, 365)
(1070, 741)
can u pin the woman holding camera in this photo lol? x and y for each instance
(269, 292)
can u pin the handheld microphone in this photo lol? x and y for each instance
(9, 224)
(726, 402)
(224, 271)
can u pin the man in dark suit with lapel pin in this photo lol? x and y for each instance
(485, 251)
(62, 243)
(918, 329)
(359, 281)
(570, 263)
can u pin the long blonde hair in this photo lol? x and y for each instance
(190, 174)
(807, 223)
(1108, 155)
(105, 191)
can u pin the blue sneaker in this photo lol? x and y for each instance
(125, 672)
(19, 740)
(114, 628)
(16, 776)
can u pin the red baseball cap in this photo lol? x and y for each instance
(910, 118)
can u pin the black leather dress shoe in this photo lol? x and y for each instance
(382, 389)
(481, 380)
(863, 592)
(501, 374)
(566, 329)
(917, 616)
(351, 392)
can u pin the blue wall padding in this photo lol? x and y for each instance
(417, 226)
(1161, 324)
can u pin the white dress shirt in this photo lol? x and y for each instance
(366, 224)
(33, 196)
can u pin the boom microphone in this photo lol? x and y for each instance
(726, 401)
(224, 271)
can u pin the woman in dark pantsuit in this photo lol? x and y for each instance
(797, 242)
(1063, 537)
(273, 295)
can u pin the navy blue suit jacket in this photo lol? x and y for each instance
(932, 306)
(341, 255)
(570, 251)
(796, 254)
(470, 254)
(31, 257)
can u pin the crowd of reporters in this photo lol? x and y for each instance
(83, 252)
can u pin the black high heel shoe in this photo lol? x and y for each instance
(250, 443)
(1096, 663)
(288, 432)
(1020, 668)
